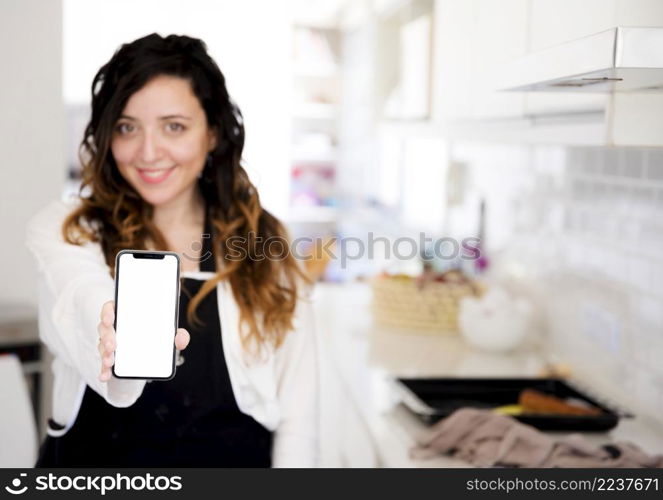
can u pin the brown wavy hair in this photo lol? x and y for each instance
(114, 214)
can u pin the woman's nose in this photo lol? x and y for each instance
(150, 148)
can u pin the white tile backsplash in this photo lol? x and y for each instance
(654, 164)
(585, 226)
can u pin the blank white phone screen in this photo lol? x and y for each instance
(146, 313)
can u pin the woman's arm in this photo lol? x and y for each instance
(78, 283)
(297, 437)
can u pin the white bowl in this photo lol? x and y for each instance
(495, 322)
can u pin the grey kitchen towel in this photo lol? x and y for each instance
(487, 439)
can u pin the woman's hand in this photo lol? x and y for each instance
(107, 339)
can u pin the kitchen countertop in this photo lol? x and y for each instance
(365, 359)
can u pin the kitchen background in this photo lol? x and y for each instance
(391, 117)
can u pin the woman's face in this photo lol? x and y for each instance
(161, 140)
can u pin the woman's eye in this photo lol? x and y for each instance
(124, 128)
(175, 127)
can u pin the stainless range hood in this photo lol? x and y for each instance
(620, 59)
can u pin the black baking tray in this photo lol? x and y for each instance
(435, 398)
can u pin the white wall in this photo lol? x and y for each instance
(31, 132)
(250, 41)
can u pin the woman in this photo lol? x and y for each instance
(161, 170)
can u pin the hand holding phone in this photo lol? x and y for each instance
(138, 341)
(107, 339)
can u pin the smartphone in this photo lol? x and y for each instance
(147, 294)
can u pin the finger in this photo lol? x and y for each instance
(108, 313)
(103, 331)
(108, 360)
(104, 376)
(101, 348)
(107, 337)
(182, 339)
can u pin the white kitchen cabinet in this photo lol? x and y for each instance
(473, 39)
(478, 43)
(452, 60)
(500, 35)
(345, 438)
(639, 12)
(345, 435)
(357, 448)
(553, 22)
(557, 21)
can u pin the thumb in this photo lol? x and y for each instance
(182, 339)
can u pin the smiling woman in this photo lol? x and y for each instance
(163, 147)
(161, 160)
(162, 155)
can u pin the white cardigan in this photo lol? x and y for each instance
(281, 391)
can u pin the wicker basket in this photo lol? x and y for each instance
(403, 304)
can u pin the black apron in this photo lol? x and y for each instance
(190, 421)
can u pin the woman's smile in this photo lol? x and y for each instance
(154, 175)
